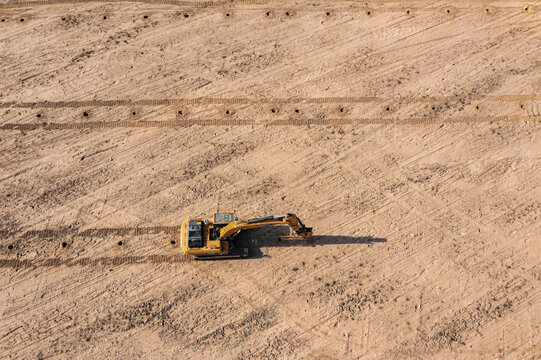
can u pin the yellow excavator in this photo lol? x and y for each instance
(203, 238)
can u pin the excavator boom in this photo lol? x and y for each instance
(290, 219)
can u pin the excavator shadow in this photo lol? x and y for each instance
(254, 240)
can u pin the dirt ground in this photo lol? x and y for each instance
(407, 134)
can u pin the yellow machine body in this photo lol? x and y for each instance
(208, 246)
(213, 238)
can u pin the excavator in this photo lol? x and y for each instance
(203, 238)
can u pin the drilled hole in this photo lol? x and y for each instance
(63, 19)
(433, 108)
(38, 116)
(134, 113)
(522, 106)
(145, 17)
(273, 111)
(85, 114)
(105, 18)
(341, 109)
(328, 13)
(173, 242)
(3, 20)
(186, 15)
(21, 20)
(388, 108)
(487, 10)
(408, 11)
(287, 13)
(297, 111)
(527, 8)
(268, 13)
(369, 12)
(10, 247)
(227, 14)
(119, 243)
(448, 11)
(227, 112)
(477, 107)
(64, 244)
(180, 112)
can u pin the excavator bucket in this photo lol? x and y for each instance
(305, 232)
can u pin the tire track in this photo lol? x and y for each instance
(121, 231)
(100, 261)
(248, 122)
(204, 4)
(268, 101)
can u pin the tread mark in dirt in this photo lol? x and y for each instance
(248, 122)
(234, 101)
(204, 4)
(105, 261)
(48, 233)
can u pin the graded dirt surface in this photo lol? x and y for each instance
(407, 135)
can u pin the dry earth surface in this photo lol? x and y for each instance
(407, 134)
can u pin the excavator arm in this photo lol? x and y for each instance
(290, 219)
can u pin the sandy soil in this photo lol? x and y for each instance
(407, 134)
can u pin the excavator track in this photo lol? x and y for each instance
(235, 253)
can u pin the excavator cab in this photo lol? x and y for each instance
(203, 238)
(195, 234)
